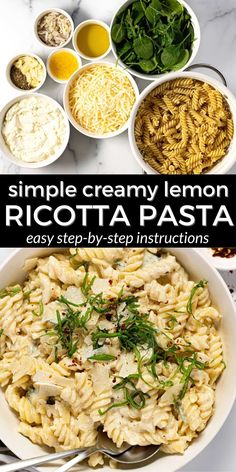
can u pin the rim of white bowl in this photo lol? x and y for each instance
(75, 54)
(67, 108)
(14, 59)
(32, 165)
(43, 13)
(79, 28)
(227, 161)
(195, 47)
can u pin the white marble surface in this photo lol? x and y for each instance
(220, 455)
(84, 155)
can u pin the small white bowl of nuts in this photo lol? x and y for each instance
(54, 28)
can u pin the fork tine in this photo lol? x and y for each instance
(79, 458)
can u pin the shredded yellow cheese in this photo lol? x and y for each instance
(101, 99)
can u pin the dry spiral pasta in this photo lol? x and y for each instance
(183, 126)
(63, 388)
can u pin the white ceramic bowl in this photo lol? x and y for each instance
(225, 164)
(195, 46)
(32, 165)
(67, 107)
(220, 263)
(43, 13)
(12, 271)
(79, 28)
(14, 59)
(71, 51)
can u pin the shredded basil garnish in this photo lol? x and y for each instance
(200, 284)
(41, 310)
(132, 396)
(101, 357)
(9, 292)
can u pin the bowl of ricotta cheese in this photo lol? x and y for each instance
(34, 130)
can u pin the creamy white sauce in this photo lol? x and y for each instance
(34, 129)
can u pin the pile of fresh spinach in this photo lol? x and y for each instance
(153, 36)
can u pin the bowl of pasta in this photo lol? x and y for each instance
(184, 125)
(132, 340)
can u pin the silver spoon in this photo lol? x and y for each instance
(126, 454)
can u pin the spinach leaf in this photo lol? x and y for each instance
(167, 39)
(170, 56)
(148, 65)
(171, 7)
(143, 47)
(191, 34)
(118, 33)
(131, 59)
(178, 37)
(184, 58)
(124, 49)
(137, 12)
(153, 11)
(130, 27)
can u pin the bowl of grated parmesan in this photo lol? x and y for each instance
(99, 99)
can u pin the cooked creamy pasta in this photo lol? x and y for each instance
(184, 126)
(115, 338)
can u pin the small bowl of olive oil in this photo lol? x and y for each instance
(91, 40)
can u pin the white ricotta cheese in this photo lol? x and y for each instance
(34, 129)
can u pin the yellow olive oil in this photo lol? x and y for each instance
(93, 40)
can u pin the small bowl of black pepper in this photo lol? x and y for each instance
(26, 72)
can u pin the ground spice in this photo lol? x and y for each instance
(27, 73)
(224, 252)
(19, 79)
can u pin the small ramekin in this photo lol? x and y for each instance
(48, 64)
(10, 64)
(79, 27)
(43, 13)
(220, 263)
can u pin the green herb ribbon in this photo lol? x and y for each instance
(12, 291)
(200, 284)
(41, 310)
(101, 357)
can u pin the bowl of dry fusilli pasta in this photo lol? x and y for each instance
(184, 125)
(138, 341)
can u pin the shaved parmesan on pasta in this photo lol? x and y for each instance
(101, 99)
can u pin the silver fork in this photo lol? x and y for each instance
(126, 454)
